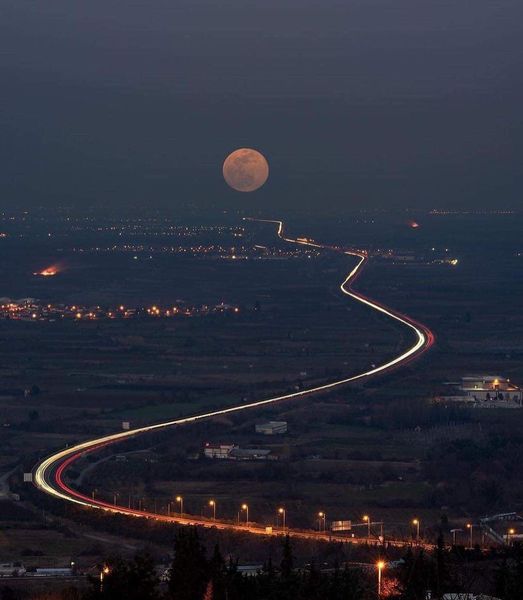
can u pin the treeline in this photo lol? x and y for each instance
(193, 575)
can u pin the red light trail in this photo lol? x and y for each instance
(49, 474)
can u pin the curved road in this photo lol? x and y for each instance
(49, 475)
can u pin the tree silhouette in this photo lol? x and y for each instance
(189, 571)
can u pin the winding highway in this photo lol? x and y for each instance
(49, 474)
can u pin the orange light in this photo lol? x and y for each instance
(380, 564)
(48, 272)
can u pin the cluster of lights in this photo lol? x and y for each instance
(34, 310)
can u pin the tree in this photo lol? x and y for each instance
(287, 561)
(218, 574)
(189, 571)
(509, 575)
(288, 583)
(414, 576)
(133, 580)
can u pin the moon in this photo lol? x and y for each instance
(245, 170)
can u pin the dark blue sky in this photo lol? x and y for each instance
(354, 102)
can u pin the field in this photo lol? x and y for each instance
(374, 448)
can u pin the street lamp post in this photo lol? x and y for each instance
(179, 499)
(115, 497)
(212, 503)
(454, 531)
(380, 565)
(245, 507)
(283, 514)
(510, 533)
(103, 572)
(366, 519)
(470, 527)
(322, 521)
(416, 522)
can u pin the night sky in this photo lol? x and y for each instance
(355, 103)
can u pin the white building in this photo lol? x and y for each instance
(485, 391)
(11, 569)
(271, 427)
(490, 387)
(221, 451)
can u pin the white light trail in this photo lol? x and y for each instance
(51, 482)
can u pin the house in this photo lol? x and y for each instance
(271, 427)
(220, 451)
(484, 391)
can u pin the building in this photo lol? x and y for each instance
(271, 427)
(249, 454)
(233, 452)
(490, 387)
(221, 451)
(12, 569)
(485, 391)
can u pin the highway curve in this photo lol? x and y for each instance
(49, 474)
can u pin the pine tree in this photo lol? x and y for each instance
(189, 571)
(414, 576)
(218, 574)
(133, 580)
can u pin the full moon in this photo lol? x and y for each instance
(245, 170)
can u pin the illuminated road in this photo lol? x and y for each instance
(49, 474)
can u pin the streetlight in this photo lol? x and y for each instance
(283, 513)
(103, 572)
(470, 527)
(366, 519)
(179, 499)
(245, 507)
(510, 533)
(115, 497)
(416, 522)
(454, 531)
(380, 565)
(321, 519)
(212, 503)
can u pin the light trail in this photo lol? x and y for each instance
(49, 474)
